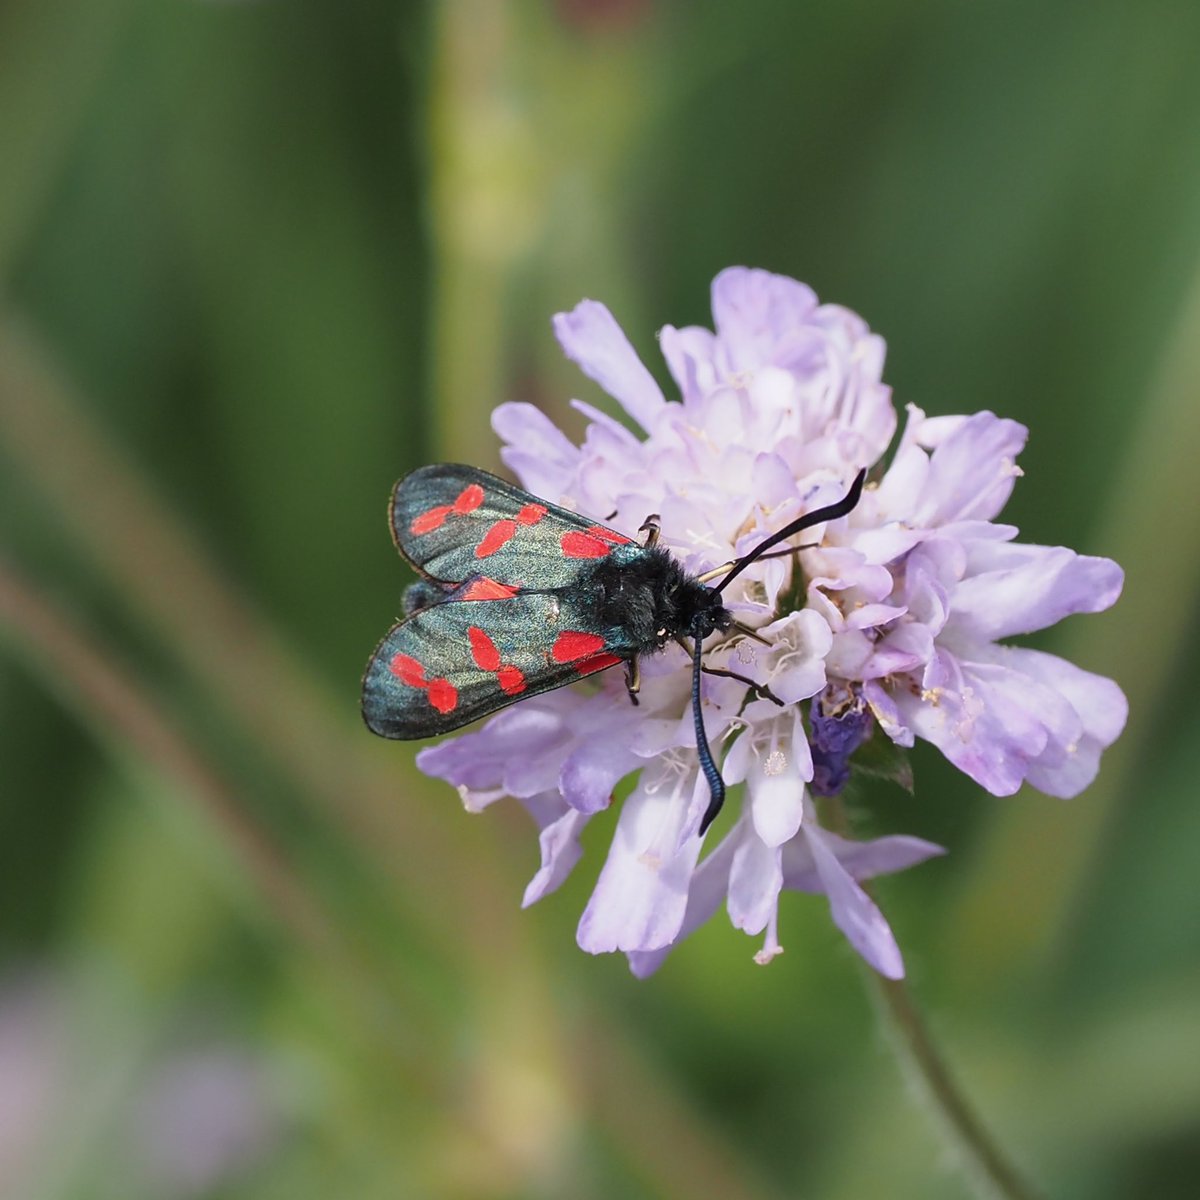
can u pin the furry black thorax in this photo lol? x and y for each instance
(650, 598)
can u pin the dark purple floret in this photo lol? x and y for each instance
(840, 724)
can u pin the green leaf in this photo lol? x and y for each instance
(880, 758)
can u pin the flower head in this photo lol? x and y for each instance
(886, 624)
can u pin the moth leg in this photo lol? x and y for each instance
(750, 632)
(650, 528)
(760, 689)
(717, 572)
(633, 679)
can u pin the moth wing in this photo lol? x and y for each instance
(459, 660)
(455, 522)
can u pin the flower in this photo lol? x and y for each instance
(886, 625)
(182, 1118)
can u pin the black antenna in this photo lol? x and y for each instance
(716, 785)
(829, 513)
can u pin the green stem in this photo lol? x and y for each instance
(985, 1164)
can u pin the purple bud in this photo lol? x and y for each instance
(840, 723)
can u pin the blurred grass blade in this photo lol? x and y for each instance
(104, 696)
(1056, 846)
(52, 54)
(123, 525)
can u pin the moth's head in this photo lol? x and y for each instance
(709, 615)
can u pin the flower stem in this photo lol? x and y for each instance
(990, 1172)
(991, 1175)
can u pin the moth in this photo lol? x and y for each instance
(519, 596)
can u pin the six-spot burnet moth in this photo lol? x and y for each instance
(519, 596)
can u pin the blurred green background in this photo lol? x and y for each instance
(258, 260)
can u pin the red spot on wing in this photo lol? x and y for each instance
(571, 645)
(597, 662)
(512, 682)
(443, 695)
(407, 670)
(608, 535)
(435, 518)
(531, 514)
(487, 658)
(483, 649)
(469, 499)
(484, 588)
(498, 535)
(583, 545)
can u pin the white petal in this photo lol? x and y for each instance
(640, 897)
(709, 884)
(775, 783)
(756, 311)
(690, 358)
(755, 878)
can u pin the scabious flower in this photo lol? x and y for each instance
(887, 625)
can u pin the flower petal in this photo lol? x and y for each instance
(862, 860)
(972, 470)
(591, 337)
(641, 896)
(1023, 588)
(559, 842)
(593, 769)
(483, 759)
(854, 912)
(536, 450)
(690, 358)
(1100, 706)
(755, 877)
(775, 783)
(990, 722)
(710, 882)
(757, 314)
(887, 714)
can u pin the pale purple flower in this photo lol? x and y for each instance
(205, 1118)
(77, 1069)
(34, 1074)
(959, 583)
(898, 633)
